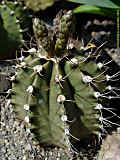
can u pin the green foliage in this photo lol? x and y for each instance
(58, 90)
(102, 7)
(102, 3)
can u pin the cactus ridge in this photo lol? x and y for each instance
(61, 97)
(14, 21)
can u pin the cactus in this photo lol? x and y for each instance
(38, 4)
(59, 91)
(14, 21)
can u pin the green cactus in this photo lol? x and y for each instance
(14, 21)
(59, 91)
(38, 4)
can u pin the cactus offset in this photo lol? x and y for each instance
(58, 92)
(38, 4)
(14, 21)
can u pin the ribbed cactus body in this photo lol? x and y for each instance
(14, 21)
(10, 30)
(60, 95)
(49, 97)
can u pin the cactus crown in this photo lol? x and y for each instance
(54, 41)
(58, 90)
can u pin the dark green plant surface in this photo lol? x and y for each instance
(102, 7)
(38, 4)
(14, 21)
(59, 90)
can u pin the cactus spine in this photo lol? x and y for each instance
(59, 92)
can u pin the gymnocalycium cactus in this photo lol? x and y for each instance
(59, 91)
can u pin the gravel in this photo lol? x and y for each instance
(17, 143)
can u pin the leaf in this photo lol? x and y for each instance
(100, 3)
(95, 10)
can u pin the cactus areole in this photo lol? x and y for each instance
(57, 91)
